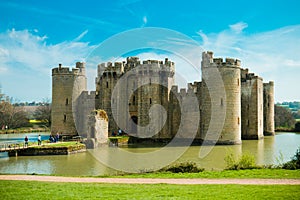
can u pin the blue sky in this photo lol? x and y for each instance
(37, 35)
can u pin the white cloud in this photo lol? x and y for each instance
(274, 55)
(292, 63)
(31, 50)
(26, 60)
(238, 27)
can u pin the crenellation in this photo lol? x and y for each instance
(238, 62)
(230, 61)
(80, 65)
(209, 61)
(218, 61)
(78, 70)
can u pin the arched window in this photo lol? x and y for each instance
(65, 118)
(150, 101)
(67, 101)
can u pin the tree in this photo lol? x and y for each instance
(43, 113)
(284, 117)
(12, 116)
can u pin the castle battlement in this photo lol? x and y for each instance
(271, 83)
(132, 62)
(109, 67)
(228, 62)
(78, 70)
(219, 62)
(246, 76)
(184, 92)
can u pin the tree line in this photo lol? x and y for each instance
(286, 119)
(14, 116)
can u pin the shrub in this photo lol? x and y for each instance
(294, 163)
(246, 161)
(187, 167)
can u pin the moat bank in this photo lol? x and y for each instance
(266, 151)
(60, 148)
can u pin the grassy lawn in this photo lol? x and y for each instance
(250, 173)
(58, 144)
(49, 190)
(63, 144)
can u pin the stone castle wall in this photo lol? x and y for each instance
(67, 86)
(252, 106)
(232, 103)
(144, 78)
(216, 103)
(269, 125)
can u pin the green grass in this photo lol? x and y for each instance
(250, 173)
(59, 144)
(25, 130)
(49, 190)
(119, 137)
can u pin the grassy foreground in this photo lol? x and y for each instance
(249, 173)
(50, 190)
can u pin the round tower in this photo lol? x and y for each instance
(220, 107)
(269, 127)
(67, 85)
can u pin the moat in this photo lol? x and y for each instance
(270, 150)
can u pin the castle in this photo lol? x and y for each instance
(244, 102)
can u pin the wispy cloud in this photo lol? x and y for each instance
(25, 55)
(81, 36)
(238, 27)
(145, 20)
(274, 55)
(31, 50)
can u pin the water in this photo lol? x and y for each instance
(271, 150)
(19, 137)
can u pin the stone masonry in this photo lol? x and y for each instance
(232, 103)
